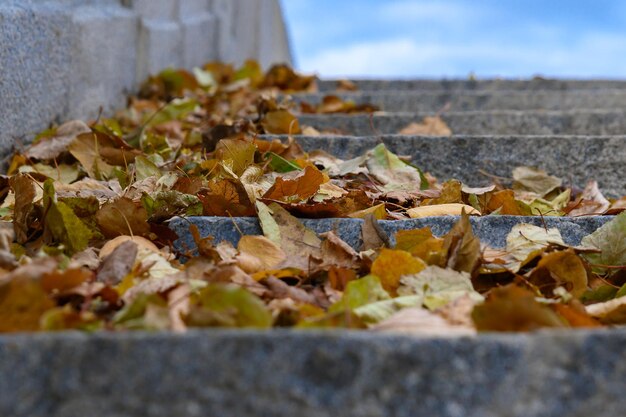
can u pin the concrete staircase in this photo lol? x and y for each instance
(574, 129)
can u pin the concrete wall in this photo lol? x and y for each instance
(62, 59)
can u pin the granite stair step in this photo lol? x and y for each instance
(468, 158)
(496, 122)
(494, 84)
(435, 101)
(491, 230)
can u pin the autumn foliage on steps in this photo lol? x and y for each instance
(84, 241)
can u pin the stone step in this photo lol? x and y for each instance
(491, 230)
(468, 158)
(468, 85)
(312, 373)
(434, 101)
(531, 122)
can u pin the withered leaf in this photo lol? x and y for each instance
(122, 216)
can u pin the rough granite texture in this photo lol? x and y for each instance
(435, 101)
(491, 230)
(493, 84)
(573, 158)
(497, 122)
(313, 374)
(64, 59)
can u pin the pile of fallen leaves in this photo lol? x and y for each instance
(84, 240)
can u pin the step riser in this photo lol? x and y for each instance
(500, 100)
(491, 230)
(478, 123)
(573, 158)
(482, 85)
(221, 373)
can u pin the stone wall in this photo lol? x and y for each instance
(63, 59)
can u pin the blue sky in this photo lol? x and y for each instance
(453, 38)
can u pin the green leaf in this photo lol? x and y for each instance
(227, 305)
(166, 204)
(145, 312)
(280, 164)
(145, 168)
(610, 239)
(381, 310)
(438, 286)
(61, 224)
(360, 292)
(393, 172)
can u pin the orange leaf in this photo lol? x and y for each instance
(303, 185)
(392, 264)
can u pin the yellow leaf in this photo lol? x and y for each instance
(392, 264)
(379, 212)
(454, 209)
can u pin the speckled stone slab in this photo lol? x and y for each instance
(511, 122)
(491, 230)
(434, 101)
(537, 83)
(467, 158)
(281, 373)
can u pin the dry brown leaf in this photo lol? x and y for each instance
(121, 217)
(118, 264)
(50, 148)
(267, 252)
(430, 126)
(296, 186)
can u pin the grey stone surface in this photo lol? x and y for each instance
(64, 59)
(285, 373)
(573, 158)
(434, 101)
(482, 84)
(511, 122)
(491, 230)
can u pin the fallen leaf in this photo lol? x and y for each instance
(220, 305)
(610, 239)
(301, 186)
(534, 180)
(122, 217)
(609, 312)
(430, 126)
(24, 188)
(525, 242)
(54, 146)
(418, 321)
(562, 268)
(513, 309)
(441, 210)
(392, 264)
(267, 252)
(61, 223)
(438, 287)
(301, 245)
(118, 263)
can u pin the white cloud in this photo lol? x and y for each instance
(590, 55)
(443, 12)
